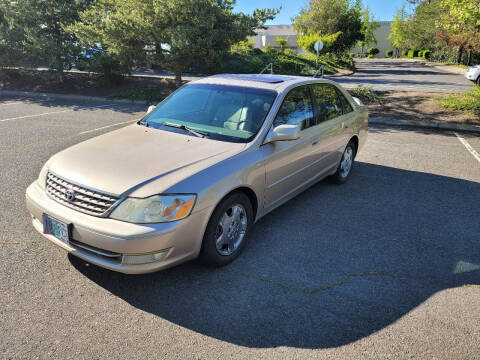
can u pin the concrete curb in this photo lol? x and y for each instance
(441, 67)
(69, 97)
(431, 125)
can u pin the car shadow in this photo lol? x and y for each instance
(331, 266)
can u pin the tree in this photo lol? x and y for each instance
(307, 42)
(424, 29)
(35, 29)
(460, 25)
(181, 32)
(282, 44)
(326, 17)
(401, 30)
(368, 27)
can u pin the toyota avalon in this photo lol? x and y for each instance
(197, 171)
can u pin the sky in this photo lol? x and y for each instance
(384, 10)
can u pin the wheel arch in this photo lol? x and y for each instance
(252, 196)
(355, 141)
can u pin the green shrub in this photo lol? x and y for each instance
(372, 52)
(351, 55)
(427, 54)
(469, 102)
(405, 52)
(389, 53)
(307, 42)
(109, 66)
(411, 53)
(252, 62)
(366, 95)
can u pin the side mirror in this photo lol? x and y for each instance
(358, 101)
(150, 109)
(283, 133)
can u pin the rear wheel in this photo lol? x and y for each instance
(478, 80)
(227, 230)
(346, 164)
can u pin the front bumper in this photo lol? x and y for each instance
(472, 75)
(102, 241)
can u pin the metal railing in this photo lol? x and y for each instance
(321, 70)
(265, 69)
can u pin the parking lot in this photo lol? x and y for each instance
(385, 266)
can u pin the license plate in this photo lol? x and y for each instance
(56, 228)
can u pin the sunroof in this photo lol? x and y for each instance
(259, 78)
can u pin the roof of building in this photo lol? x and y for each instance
(277, 30)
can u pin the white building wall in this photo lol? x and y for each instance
(271, 33)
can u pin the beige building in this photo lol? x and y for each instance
(383, 43)
(271, 33)
(267, 37)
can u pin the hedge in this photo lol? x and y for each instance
(389, 53)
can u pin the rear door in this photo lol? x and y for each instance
(331, 121)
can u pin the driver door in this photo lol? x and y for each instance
(288, 163)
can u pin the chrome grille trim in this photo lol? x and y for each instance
(88, 201)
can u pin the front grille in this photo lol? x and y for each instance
(88, 201)
(108, 255)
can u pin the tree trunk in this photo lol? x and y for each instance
(459, 54)
(469, 61)
(178, 76)
(60, 74)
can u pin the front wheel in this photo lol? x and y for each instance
(227, 230)
(346, 164)
(478, 81)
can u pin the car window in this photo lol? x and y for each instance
(297, 109)
(230, 113)
(328, 102)
(347, 107)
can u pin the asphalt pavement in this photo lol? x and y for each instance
(404, 75)
(386, 266)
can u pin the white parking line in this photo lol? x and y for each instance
(472, 151)
(11, 103)
(53, 112)
(24, 147)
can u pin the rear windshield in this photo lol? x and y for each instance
(228, 113)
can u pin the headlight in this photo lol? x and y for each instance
(42, 177)
(155, 209)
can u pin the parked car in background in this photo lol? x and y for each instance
(192, 177)
(473, 74)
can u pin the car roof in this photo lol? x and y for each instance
(264, 81)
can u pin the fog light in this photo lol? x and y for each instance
(144, 259)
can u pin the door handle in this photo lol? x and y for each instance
(315, 143)
(344, 126)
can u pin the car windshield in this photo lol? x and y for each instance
(227, 113)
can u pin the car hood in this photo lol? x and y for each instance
(127, 159)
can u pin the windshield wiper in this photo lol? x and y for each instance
(186, 128)
(143, 123)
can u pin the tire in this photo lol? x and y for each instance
(478, 81)
(341, 176)
(218, 248)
